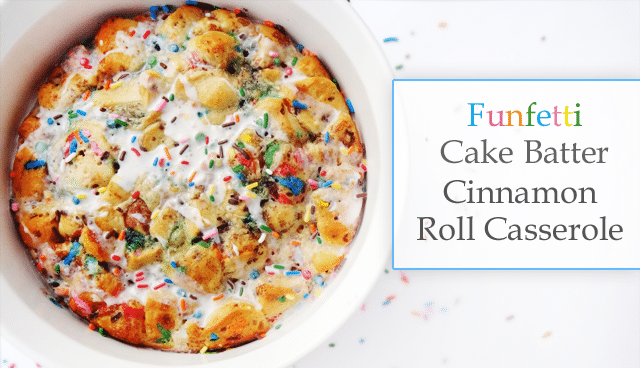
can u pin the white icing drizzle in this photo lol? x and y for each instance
(194, 161)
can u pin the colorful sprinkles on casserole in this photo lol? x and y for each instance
(194, 167)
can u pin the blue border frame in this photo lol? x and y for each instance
(393, 96)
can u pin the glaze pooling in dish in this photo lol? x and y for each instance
(188, 180)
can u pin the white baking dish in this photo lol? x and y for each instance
(53, 336)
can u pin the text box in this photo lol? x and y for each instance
(516, 174)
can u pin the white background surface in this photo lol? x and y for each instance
(485, 318)
(438, 112)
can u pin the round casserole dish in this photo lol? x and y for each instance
(34, 324)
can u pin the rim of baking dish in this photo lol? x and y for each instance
(36, 326)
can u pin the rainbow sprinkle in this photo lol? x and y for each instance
(266, 228)
(160, 105)
(299, 105)
(34, 164)
(404, 277)
(210, 234)
(388, 300)
(350, 105)
(84, 133)
(318, 280)
(120, 122)
(154, 12)
(75, 249)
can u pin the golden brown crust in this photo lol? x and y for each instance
(39, 226)
(114, 194)
(213, 91)
(28, 183)
(130, 96)
(231, 325)
(331, 230)
(164, 223)
(110, 283)
(28, 126)
(220, 20)
(283, 218)
(62, 89)
(92, 245)
(105, 39)
(138, 216)
(311, 66)
(117, 62)
(204, 265)
(215, 48)
(270, 75)
(275, 299)
(86, 304)
(49, 92)
(274, 35)
(153, 136)
(324, 261)
(346, 131)
(140, 258)
(176, 26)
(111, 221)
(158, 313)
(250, 252)
(123, 321)
(323, 90)
(280, 110)
(70, 226)
(61, 250)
